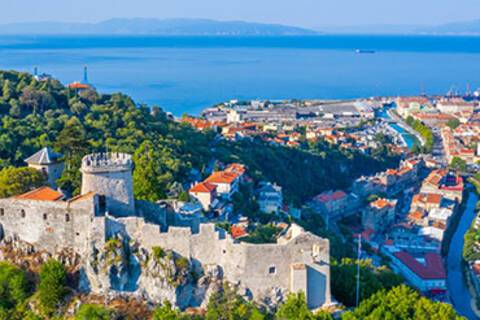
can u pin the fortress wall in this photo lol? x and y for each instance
(152, 212)
(210, 246)
(47, 224)
(176, 239)
(257, 261)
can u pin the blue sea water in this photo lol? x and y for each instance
(187, 74)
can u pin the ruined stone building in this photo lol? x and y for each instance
(126, 246)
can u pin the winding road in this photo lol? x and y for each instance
(457, 287)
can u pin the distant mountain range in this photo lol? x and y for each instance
(140, 26)
(456, 28)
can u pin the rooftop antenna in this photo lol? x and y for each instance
(35, 71)
(85, 75)
(468, 91)
(422, 90)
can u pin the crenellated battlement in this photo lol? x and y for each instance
(107, 162)
(110, 175)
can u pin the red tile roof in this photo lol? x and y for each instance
(77, 85)
(381, 203)
(238, 232)
(222, 177)
(236, 168)
(432, 269)
(41, 194)
(331, 196)
(203, 187)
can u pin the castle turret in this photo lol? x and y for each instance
(49, 162)
(110, 175)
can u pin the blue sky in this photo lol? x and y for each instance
(307, 13)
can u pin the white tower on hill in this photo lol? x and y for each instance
(110, 175)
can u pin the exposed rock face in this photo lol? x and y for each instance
(24, 254)
(156, 275)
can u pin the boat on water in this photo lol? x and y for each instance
(363, 51)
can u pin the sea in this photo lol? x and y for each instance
(187, 74)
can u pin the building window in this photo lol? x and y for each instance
(272, 270)
(44, 216)
(2, 212)
(22, 213)
(67, 217)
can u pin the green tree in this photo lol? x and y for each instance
(458, 164)
(146, 184)
(15, 181)
(344, 276)
(8, 90)
(72, 142)
(453, 123)
(401, 302)
(226, 304)
(52, 286)
(92, 312)
(165, 312)
(14, 287)
(295, 307)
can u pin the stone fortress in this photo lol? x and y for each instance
(126, 246)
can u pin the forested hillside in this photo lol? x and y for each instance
(34, 114)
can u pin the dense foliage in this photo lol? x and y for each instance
(14, 289)
(295, 307)
(458, 164)
(14, 181)
(34, 114)
(401, 303)
(52, 286)
(372, 280)
(92, 312)
(424, 131)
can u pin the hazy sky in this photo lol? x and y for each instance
(295, 12)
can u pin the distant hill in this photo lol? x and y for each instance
(455, 28)
(140, 26)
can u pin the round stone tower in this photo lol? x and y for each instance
(110, 175)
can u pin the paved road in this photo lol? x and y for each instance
(457, 287)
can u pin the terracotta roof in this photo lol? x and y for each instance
(236, 168)
(78, 85)
(432, 269)
(81, 197)
(434, 198)
(238, 232)
(382, 203)
(222, 177)
(203, 187)
(427, 198)
(41, 194)
(416, 215)
(330, 196)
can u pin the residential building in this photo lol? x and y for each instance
(379, 215)
(269, 197)
(205, 193)
(425, 272)
(226, 182)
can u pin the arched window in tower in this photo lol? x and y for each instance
(2, 212)
(44, 216)
(67, 217)
(22, 213)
